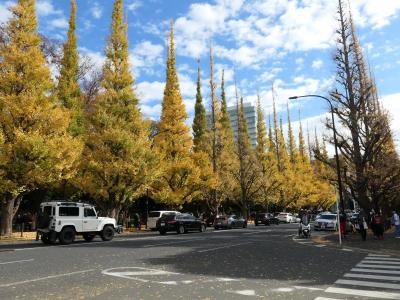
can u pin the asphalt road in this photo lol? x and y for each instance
(253, 263)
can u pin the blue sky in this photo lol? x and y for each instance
(288, 42)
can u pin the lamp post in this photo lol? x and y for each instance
(339, 177)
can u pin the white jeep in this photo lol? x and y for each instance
(64, 220)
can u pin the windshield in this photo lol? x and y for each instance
(328, 217)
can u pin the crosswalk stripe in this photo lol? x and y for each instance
(382, 258)
(394, 286)
(363, 293)
(324, 298)
(378, 255)
(362, 265)
(375, 271)
(381, 262)
(366, 276)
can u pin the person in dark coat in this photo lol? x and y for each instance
(362, 222)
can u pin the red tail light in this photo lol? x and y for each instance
(171, 222)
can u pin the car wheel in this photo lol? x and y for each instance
(88, 237)
(256, 223)
(108, 233)
(216, 228)
(181, 229)
(202, 228)
(67, 235)
(162, 232)
(244, 225)
(45, 239)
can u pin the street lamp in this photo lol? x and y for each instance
(339, 177)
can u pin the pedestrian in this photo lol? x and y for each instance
(396, 223)
(342, 221)
(362, 222)
(372, 222)
(379, 226)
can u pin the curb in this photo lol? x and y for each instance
(322, 241)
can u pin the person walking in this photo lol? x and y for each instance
(362, 222)
(378, 223)
(396, 223)
(342, 223)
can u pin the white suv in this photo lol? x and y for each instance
(64, 220)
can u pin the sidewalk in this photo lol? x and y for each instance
(31, 236)
(389, 245)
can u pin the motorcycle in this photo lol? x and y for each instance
(305, 230)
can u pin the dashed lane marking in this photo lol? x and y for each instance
(367, 276)
(16, 261)
(45, 278)
(223, 247)
(243, 292)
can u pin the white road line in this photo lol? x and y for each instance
(363, 293)
(45, 278)
(382, 258)
(375, 271)
(307, 288)
(381, 262)
(379, 277)
(16, 261)
(324, 298)
(222, 247)
(305, 242)
(362, 265)
(171, 243)
(320, 246)
(244, 292)
(378, 255)
(168, 282)
(394, 286)
(345, 249)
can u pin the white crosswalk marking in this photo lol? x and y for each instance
(373, 277)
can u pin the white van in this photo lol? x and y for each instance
(154, 216)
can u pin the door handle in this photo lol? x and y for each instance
(84, 221)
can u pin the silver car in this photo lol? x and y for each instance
(326, 221)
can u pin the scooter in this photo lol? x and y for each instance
(305, 230)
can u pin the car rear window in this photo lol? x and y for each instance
(154, 214)
(168, 217)
(328, 217)
(282, 215)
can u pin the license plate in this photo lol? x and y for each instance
(323, 226)
(162, 223)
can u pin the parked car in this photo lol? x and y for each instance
(64, 220)
(155, 215)
(286, 217)
(229, 222)
(180, 223)
(273, 219)
(326, 221)
(262, 218)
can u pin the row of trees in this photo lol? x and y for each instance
(370, 164)
(88, 137)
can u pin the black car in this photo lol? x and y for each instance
(180, 223)
(266, 219)
(262, 218)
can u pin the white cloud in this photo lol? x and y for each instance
(60, 23)
(150, 91)
(97, 58)
(5, 14)
(317, 64)
(151, 111)
(145, 56)
(134, 5)
(392, 104)
(46, 8)
(96, 10)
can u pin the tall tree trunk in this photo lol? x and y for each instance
(9, 208)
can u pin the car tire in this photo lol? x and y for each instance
(202, 228)
(181, 229)
(88, 237)
(107, 234)
(45, 239)
(216, 228)
(244, 225)
(67, 236)
(256, 223)
(162, 232)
